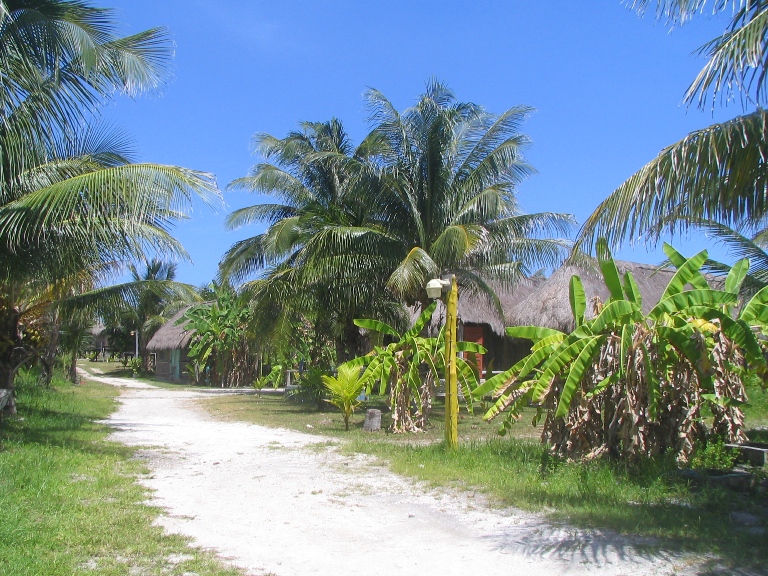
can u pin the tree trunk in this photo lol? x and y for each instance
(48, 357)
(72, 371)
(11, 350)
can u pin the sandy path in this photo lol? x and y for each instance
(271, 502)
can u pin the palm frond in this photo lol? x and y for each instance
(718, 173)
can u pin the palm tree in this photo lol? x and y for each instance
(158, 298)
(448, 198)
(71, 202)
(718, 173)
(315, 250)
(428, 192)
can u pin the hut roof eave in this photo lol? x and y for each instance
(171, 336)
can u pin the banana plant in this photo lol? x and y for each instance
(409, 366)
(630, 384)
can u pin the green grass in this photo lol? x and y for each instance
(69, 502)
(113, 369)
(643, 501)
(756, 414)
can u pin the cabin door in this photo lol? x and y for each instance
(176, 365)
(474, 333)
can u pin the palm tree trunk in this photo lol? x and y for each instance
(48, 358)
(72, 372)
(10, 348)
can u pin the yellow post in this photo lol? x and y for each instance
(451, 378)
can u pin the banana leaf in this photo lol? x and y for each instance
(632, 290)
(422, 321)
(756, 310)
(688, 273)
(377, 326)
(578, 367)
(578, 300)
(614, 314)
(736, 276)
(697, 279)
(682, 301)
(532, 332)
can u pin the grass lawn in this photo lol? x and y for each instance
(515, 470)
(69, 502)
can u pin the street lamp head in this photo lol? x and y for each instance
(436, 286)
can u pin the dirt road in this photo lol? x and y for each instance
(280, 502)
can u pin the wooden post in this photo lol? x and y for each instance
(451, 378)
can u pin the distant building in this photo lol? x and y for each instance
(170, 345)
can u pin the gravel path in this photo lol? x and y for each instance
(274, 501)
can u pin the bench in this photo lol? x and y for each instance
(755, 453)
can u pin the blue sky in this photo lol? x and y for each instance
(606, 84)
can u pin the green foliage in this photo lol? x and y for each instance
(135, 364)
(633, 385)
(273, 379)
(713, 455)
(344, 390)
(222, 341)
(311, 389)
(409, 367)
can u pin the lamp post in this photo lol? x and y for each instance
(434, 290)
(136, 334)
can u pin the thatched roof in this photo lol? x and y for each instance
(549, 305)
(170, 336)
(478, 309)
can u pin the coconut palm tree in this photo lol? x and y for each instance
(718, 173)
(71, 202)
(450, 173)
(316, 252)
(155, 297)
(428, 192)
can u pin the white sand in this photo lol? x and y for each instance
(268, 501)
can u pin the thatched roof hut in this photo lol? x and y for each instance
(549, 305)
(171, 336)
(476, 308)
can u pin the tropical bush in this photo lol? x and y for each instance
(311, 389)
(344, 390)
(714, 456)
(629, 384)
(272, 379)
(135, 364)
(222, 343)
(408, 368)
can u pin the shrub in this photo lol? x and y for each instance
(345, 389)
(632, 385)
(311, 389)
(713, 455)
